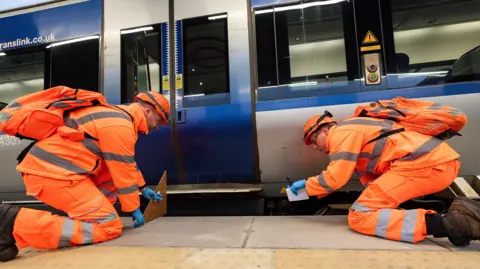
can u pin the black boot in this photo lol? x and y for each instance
(8, 249)
(462, 222)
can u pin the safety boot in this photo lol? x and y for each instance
(462, 222)
(8, 248)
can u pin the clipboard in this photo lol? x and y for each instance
(157, 209)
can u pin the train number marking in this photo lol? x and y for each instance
(6, 140)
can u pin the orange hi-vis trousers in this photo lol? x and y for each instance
(374, 213)
(91, 215)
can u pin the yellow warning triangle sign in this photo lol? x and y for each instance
(369, 38)
(283, 190)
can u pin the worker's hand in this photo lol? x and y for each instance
(299, 184)
(137, 217)
(150, 194)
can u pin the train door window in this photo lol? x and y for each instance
(74, 63)
(304, 50)
(141, 58)
(21, 72)
(435, 41)
(205, 60)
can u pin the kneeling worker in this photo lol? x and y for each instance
(395, 169)
(84, 179)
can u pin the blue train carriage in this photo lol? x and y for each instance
(247, 76)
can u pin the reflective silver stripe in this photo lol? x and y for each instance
(67, 233)
(100, 115)
(128, 190)
(454, 112)
(108, 183)
(111, 216)
(69, 122)
(436, 106)
(425, 148)
(382, 222)
(105, 191)
(408, 225)
(321, 180)
(344, 155)
(87, 232)
(108, 156)
(4, 117)
(56, 160)
(364, 155)
(376, 153)
(108, 193)
(62, 104)
(391, 113)
(88, 143)
(92, 147)
(14, 105)
(358, 207)
(360, 121)
(387, 125)
(112, 195)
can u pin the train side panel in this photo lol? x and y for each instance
(282, 152)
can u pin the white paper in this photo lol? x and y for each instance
(301, 195)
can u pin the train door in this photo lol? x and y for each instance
(214, 108)
(144, 67)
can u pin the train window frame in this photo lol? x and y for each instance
(53, 48)
(291, 91)
(397, 79)
(203, 99)
(136, 31)
(46, 50)
(41, 48)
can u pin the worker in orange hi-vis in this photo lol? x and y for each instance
(84, 179)
(395, 165)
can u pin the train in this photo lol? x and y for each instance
(248, 74)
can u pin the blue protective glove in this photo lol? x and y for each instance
(137, 217)
(300, 184)
(150, 194)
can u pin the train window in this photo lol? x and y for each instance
(21, 72)
(436, 42)
(302, 50)
(141, 58)
(205, 55)
(74, 63)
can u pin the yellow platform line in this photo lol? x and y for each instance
(190, 258)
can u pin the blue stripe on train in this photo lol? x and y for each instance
(362, 97)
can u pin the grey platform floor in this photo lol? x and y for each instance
(287, 232)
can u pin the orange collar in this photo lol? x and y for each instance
(139, 119)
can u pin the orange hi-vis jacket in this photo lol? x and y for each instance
(349, 151)
(111, 157)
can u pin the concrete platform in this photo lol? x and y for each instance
(277, 232)
(197, 258)
(251, 242)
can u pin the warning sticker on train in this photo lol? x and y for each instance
(369, 38)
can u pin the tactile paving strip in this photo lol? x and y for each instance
(197, 258)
